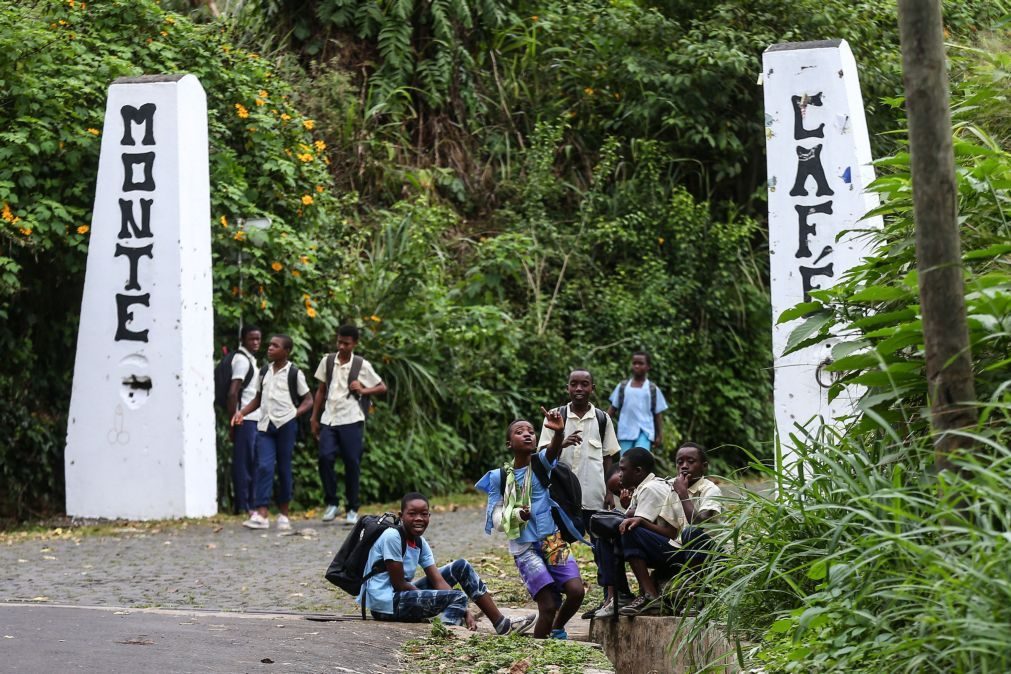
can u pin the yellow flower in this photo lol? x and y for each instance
(94, 132)
(306, 157)
(224, 221)
(263, 304)
(319, 189)
(659, 240)
(70, 3)
(285, 116)
(311, 312)
(295, 272)
(309, 124)
(164, 34)
(27, 231)
(276, 266)
(305, 260)
(241, 111)
(588, 91)
(260, 101)
(306, 199)
(170, 19)
(83, 229)
(239, 236)
(534, 18)
(6, 213)
(263, 93)
(375, 318)
(320, 145)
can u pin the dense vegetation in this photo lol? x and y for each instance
(496, 191)
(870, 560)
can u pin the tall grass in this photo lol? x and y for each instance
(865, 559)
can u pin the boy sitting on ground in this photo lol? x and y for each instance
(391, 594)
(542, 557)
(653, 520)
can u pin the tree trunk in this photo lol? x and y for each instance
(938, 252)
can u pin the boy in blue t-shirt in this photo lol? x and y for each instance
(639, 404)
(521, 509)
(393, 596)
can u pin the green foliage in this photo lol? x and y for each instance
(876, 305)
(442, 651)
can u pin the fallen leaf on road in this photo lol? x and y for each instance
(40, 598)
(217, 530)
(520, 666)
(267, 661)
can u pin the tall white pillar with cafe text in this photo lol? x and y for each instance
(140, 437)
(819, 166)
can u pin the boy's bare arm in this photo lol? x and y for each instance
(317, 407)
(553, 421)
(253, 405)
(658, 428)
(435, 579)
(397, 580)
(305, 405)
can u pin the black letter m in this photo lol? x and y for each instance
(143, 115)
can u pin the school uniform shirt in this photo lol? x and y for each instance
(541, 524)
(587, 458)
(634, 415)
(241, 365)
(380, 590)
(275, 401)
(705, 495)
(654, 498)
(340, 408)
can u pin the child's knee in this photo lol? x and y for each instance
(574, 590)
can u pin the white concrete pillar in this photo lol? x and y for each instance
(140, 437)
(819, 165)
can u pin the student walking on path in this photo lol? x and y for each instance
(240, 394)
(638, 402)
(281, 395)
(346, 383)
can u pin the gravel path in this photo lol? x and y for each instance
(206, 564)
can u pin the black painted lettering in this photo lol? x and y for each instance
(129, 162)
(124, 316)
(128, 223)
(809, 165)
(142, 115)
(805, 228)
(134, 255)
(808, 273)
(800, 103)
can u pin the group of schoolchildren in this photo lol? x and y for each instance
(263, 406)
(654, 522)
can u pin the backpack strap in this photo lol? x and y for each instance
(331, 358)
(621, 393)
(263, 374)
(356, 368)
(293, 384)
(501, 481)
(249, 374)
(601, 424)
(652, 398)
(539, 465)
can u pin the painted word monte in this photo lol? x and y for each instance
(819, 165)
(140, 438)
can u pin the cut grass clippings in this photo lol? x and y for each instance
(443, 652)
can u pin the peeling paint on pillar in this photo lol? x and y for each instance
(819, 165)
(140, 437)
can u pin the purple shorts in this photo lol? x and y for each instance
(537, 574)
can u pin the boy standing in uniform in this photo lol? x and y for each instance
(240, 394)
(588, 448)
(345, 380)
(639, 403)
(276, 430)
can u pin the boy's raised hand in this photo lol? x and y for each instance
(553, 420)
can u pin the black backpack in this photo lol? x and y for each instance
(347, 570)
(223, 379)
(356, 367)
(652, 396)
(564, 493)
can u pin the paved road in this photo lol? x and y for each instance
(205, 565)
(48, 639)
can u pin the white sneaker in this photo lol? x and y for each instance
(283, 523)
(605, 611)
(352, 517)
(330, 514)
(256, 521)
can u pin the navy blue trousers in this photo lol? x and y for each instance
(348, 442)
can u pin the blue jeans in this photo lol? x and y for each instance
(274, 448)
(423, 603)
(347, 441)
(244, 466)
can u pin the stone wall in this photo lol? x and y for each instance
(642, 646)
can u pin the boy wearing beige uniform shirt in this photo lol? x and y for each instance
(340, 429)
